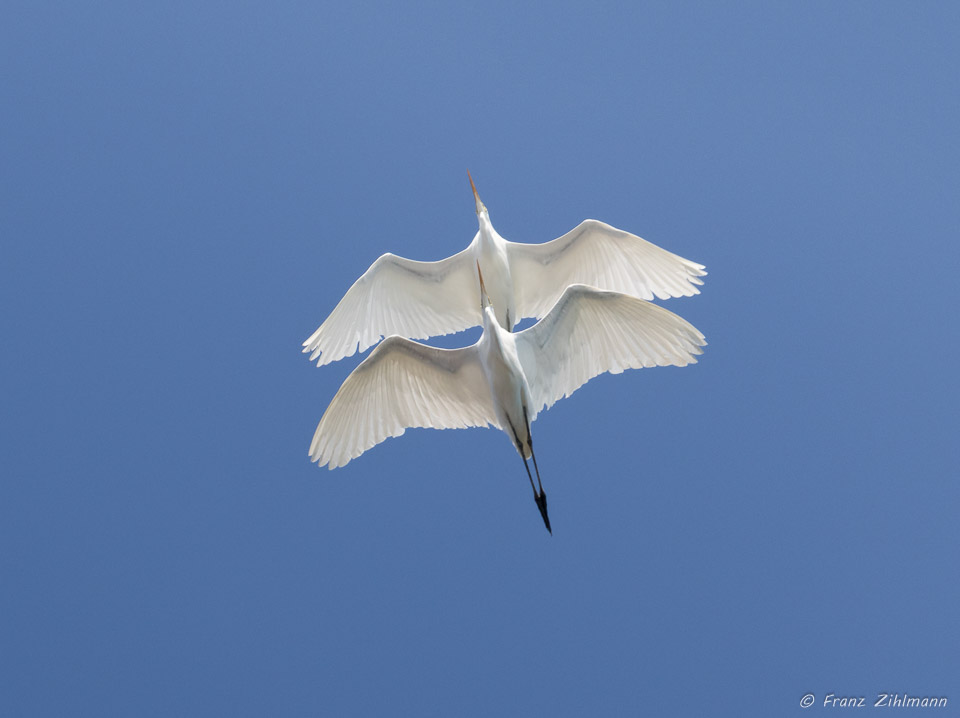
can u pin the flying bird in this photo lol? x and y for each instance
(424, 299)
(505, 379)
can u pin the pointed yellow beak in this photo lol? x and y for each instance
(476, 197)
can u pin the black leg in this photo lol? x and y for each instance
(542, 498)
(530, 444)
(525, 465)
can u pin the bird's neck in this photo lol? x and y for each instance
(488, 235)
(489, 320)
(491, 327)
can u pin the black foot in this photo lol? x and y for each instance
(542, 505)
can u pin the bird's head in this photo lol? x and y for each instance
(481, 208)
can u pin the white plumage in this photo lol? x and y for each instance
(503, 380)
(423, 299)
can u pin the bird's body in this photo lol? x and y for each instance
(418, 300)
(504, 379)
(509, 390)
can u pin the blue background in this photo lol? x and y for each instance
(188, 190)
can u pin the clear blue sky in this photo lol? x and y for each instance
(188, 189)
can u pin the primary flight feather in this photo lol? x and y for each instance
(424, 299)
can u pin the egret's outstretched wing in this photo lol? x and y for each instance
(590, 331)
(402, 384)
(400, 296)
(601, 256)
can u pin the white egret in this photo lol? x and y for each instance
(424, 299)
(503, 380)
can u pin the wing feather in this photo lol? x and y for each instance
(402, 384)
(400, 296)
(591, 331)
(598, 255)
